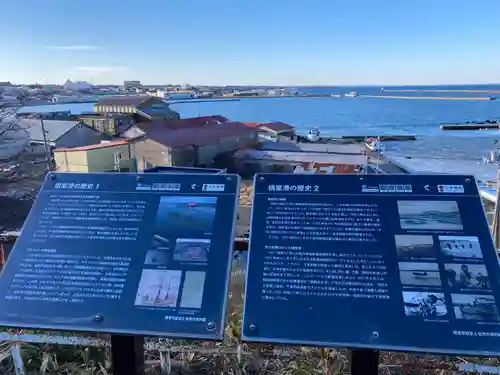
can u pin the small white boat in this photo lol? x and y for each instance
(373, 144)
(351, 94)
(313, 135)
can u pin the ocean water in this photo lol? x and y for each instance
(376, 116)
(366, 116)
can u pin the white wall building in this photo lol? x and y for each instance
(77, 86)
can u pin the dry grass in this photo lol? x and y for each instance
(228, 357)
(246, 191)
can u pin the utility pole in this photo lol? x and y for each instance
(496, 216)
(378, 154)
(48, 156)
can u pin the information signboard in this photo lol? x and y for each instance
(390, 262)
(145, 254)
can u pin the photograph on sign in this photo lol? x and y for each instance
(192, 249)
(420, 274)
(467, 276)
(480, 307)
(424, 304)
(460, 247)
(434, 215)
(187, 216)
(192, 290)
(158, 288)
(414, 246)
(157, 257)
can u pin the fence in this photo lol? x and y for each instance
(232, 356)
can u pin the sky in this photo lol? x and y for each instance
(251, 42)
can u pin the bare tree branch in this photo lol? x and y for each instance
(8, 121)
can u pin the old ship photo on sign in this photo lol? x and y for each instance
(425, 215)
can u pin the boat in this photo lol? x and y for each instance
(313, 135)
(493, 97)
(351, 94)
(373, 144)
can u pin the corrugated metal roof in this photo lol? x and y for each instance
(54, 129)
(301, 157)
(94, 147)
(157, 131)
(252, 124)
(277, 126)
(126, 100)
(196, 122)
(353, 148)
(485, 172)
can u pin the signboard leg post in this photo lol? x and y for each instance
(363, 362)
(127, 353)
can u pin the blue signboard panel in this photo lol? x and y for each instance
(145, 254)
(390, 262)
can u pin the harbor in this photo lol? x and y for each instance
(151, 135)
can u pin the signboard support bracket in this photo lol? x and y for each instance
(127, 353)
(363, 362)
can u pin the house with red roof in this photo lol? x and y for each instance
(188, 142)
(275, 130)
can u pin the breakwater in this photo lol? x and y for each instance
(439, 90)
(422, 97)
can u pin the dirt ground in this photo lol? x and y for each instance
(23, 175)
(244, 208)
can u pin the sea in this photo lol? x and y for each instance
(336, 116)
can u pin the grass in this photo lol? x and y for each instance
(228, 357)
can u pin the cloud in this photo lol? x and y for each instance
(76, 47)
(99, 69)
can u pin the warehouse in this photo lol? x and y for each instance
(146, 107)
(188, 142)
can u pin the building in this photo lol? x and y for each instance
(192, 142)
(144, 106)
(77, 86)
(110, 156)
(273, 131)
(61, 133)
(165, 169)
(111, 123)
(132, 84)
(326, 168)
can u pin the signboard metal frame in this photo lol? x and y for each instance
(250, 329)
(214, 330)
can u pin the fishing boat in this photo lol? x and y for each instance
(313, 135)
(373, 144)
